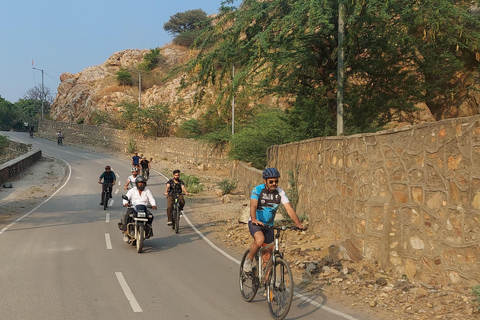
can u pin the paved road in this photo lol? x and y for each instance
(67, 260)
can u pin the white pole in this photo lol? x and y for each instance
(233, 105)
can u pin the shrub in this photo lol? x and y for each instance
(250, 144)
(132, 147)
(189, 129)
(124, 77)
(4, 143)
(227, 185)
(476, 293)
(192, 183)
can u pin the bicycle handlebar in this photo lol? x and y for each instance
(282, 228)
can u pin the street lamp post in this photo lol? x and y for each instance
(43, 92)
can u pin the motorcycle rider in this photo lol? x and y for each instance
(109, 179)
(131, 179)
(137, 195)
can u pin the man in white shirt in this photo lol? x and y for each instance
(138, 195)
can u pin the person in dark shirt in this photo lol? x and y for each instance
(109, 179)
(145, 164)
(175, 186)
(136, 160)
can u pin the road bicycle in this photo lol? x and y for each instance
(106, 195)
(275, 275)
(176, 212)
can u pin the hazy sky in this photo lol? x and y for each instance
(69, 36)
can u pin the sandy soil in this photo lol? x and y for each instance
(360, 286)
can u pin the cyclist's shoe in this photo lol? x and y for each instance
(101, 203)
(120, 226)
(247, 265)
(125, 237)
(110, 195)
(169, 223)
(181, 213)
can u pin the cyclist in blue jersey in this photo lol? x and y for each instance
(264, 203)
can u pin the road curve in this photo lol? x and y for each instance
(66, 259)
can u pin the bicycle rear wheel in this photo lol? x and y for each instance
(280, 289)
(249, 282)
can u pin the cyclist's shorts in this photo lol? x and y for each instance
(268, 233)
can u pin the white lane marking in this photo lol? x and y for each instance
(69, 152)
(84, 157)
(107, 217)
(107, 241)
(28, 213)
(116, 191)
(128, 292)
(298, 295)
(110, 202)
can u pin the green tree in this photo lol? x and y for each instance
(186, 26)
(398, 53)
(124, 77)
(184, 21)
(8, 115)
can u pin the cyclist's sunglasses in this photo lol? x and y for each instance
(272, 181)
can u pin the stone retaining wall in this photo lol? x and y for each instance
(11, 168)
(408, 199)
(178, 149)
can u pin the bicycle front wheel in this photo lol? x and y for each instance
(105, 200)
(177, 218)
(249, 282)
(280, 289)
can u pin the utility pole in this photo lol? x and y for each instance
(139, 97)
(340, 71)
(233, 105)
(43, 92)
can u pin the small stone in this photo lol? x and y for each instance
(373, 303)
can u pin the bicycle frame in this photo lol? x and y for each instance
(263, 272)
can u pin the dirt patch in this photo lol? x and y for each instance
(30, 187)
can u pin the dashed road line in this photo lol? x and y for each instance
(128, 293)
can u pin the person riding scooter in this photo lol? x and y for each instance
(136, 196)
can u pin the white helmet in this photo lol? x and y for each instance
(134, 169)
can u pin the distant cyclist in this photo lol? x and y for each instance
(136, 160)
(32, 130)
(145, 165)
(109, 180)
(131, 179)
(264, 203)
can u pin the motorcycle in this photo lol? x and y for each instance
(138, 230)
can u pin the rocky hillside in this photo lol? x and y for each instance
(96, 89)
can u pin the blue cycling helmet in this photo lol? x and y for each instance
(270, 173)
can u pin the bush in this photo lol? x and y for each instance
(476, 293)
(250, 144)
(186, 38)
(132, 147)
(192, 183)
(124, 77)
(227, 185)
(4, 143)
(189, 129)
